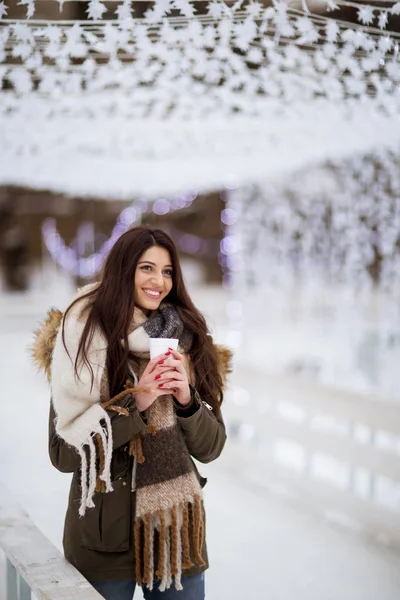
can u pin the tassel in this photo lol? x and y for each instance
(151, 554)
(120, 410)
(160, 568)
(152, 429)
(187, 563)
(178, 575)
(137, 536)
(174, 542)
(139, 449)
(126, 392)
(92, 473)
(166, 579)
(116, 398)
(136, 448)
(134, 469)
(108, 450)
(198, 520)
(148, 578)
(84, 476)
(132, 448)
(100, 485)
(146, 557)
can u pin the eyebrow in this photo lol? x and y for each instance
(151, 263)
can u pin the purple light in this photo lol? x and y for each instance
(180, 203)
(161, 207)
(69, 257)
(128, 216)
(231, 183)
(189, 197)
(223, 260)
(229, 216)
(228, 245)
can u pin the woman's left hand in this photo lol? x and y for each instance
(174, 378)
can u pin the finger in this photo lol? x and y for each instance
(176, 354)
(170, 365)
(174, 385)
(166, 368)
(154, 362)
(170, 375)
(176, 364)
(163, 385)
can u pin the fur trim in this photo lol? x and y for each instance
(44, 341)
(45, 337)
(225, 357)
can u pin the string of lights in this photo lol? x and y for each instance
(71, 257)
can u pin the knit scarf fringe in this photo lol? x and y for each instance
(181, 532)
(91, 481)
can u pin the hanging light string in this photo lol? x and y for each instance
(68, 256)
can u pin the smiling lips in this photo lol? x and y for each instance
(152, 293)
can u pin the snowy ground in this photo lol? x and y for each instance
(261, 546)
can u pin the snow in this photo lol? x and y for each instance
(52, 147)
(260, 544)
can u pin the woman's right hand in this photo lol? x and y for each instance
(149, 381)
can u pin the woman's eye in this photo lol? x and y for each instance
(167, 272)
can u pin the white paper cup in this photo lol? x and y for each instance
(161, 345)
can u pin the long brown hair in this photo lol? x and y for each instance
(110, 307)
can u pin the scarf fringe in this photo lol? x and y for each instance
(181, 533)
(91, 481)
(105, 475)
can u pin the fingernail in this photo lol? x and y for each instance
(160, 385)
(170, 349)
(160, 362)
(157, 377)
(168, 354)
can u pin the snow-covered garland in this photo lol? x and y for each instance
(236, 52)
(335, 224)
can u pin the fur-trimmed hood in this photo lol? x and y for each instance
(45, 338)
(44, 341)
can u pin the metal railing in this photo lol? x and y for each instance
(33, 565)
(16, 586)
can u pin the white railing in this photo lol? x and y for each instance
(327, 430)
(33, 564)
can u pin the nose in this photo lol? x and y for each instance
(157, 279)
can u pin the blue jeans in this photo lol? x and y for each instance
(193, 589)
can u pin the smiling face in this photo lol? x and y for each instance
(153, 278)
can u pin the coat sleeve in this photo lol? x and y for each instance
(66, 459)
(204, 432)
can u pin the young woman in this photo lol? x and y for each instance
(127, 426)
